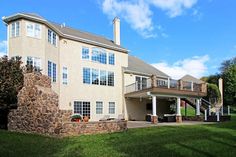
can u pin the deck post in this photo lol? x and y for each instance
(154, 109)
(168, 82)
(178, 112)
(192, 86)
(198, 107)
(228, 110)
(218, 116)
(205, 115)
(209, 108)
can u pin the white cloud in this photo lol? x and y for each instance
(173, 7)
(195, 66)
(3, 48)
(139, 15)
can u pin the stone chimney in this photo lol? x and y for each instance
(116, 30)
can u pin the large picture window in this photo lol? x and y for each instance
(99, 55)
(82, 108)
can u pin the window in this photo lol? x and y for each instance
(95, 76)
(64, 75)
(110, 78)
(34, 61)
(33, 30)
(103, 77)
(15, 29)
(99, 107)
(52, 71)
(111, 109)
(92, 76)
(85, 53)
(141, 82)
(82, 108)
(99, 55)
(86, 75)
(52, 37)
(111, 58)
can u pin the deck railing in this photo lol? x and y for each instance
(158, 82)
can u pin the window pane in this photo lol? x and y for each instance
(110, 78)
(95, 78)
(95, 55)
(78, 107)
(103, 57)
(30, 29)
(99, 107)
(64, 75)
(86, 109)
(54, 40)
(29, 61)
(13, 28)
(17, 28)
(37, 31)
(50, 69)
(49, 36)
(54, 73)
(112, 58)
(85, 53)
(86, 75)
(111, 108)
(103, 77)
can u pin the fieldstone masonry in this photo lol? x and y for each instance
(38, 112)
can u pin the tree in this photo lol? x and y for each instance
(229, 77)
(226, 64)
(213, 79)
(213, 93)
(11, 81)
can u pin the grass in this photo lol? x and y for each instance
(190, 111)
(198, 140)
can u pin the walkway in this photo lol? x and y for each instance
(144, 124)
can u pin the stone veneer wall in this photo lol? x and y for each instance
(38, 112)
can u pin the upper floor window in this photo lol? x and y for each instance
(52, 37)
(34, 62)
(15, 29)
(85, 53)
(52, 71)
(111, 58)
(99, 55)
(64, 75)
(33, 30)
(91, 76)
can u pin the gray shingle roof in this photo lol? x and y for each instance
(190, 78)
(70, 33)
(138, 66)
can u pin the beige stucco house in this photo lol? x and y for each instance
(93, 75)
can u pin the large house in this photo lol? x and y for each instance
(94, 76)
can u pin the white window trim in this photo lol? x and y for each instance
(102, 107)
(52, 38)
(13, 36)
(65, 83)
(109, 107)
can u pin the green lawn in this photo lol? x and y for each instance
(199, 140)
(190, 111)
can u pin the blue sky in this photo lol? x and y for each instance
(176, 36)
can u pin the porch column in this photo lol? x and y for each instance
(178, 112)
(154, 109)
(198, 107)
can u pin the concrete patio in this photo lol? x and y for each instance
(144, 124)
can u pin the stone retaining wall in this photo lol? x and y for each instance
(38, 112)
(75, 128)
